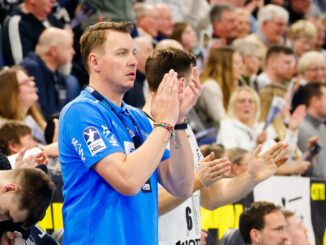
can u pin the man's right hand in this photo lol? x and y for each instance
(210, 170)
(165, 103)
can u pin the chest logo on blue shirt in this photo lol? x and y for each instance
(93, 140)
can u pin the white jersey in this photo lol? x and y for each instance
(182, 224)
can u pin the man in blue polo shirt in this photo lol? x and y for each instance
(111, 157)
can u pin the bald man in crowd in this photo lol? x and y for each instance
(49, 65)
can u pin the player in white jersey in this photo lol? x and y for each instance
(179, 221)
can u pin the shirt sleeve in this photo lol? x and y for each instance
(87, 132)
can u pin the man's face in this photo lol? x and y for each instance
(116, 62)
(298, 233)
(9, 207)
(227, 26)
(149, 22)
(274, 232)
(284, 66)
(42, 8)
(275, 30)
(165, 23)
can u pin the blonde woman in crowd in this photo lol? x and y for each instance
(220, 77)
(240, 128)
(302, 35)
(279, 131)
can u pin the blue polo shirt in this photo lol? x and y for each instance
(93, 211)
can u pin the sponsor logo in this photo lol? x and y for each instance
(93, 140)
(78, 148)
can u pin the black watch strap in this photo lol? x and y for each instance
(181, 126)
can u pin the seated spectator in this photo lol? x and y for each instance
(224, 22)
(279, 67)
(14, 136)
(311, 68)
(273, 21)
(18, 100)
(297, 231)
(263, 223)
(314, 125)
(185, 34)
(303, 37)
(165, 22)
(22, 29)
(241, 129)
(220, 76)
(239, 159)
(251, 61)
(146, 20)
(278, 130)
(53, 54)
(243, 16)
(136, 95)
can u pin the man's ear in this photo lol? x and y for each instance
(9, 187)
(13, 147)
(255, 236)
(93, 60)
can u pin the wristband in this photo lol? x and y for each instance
(167, 126)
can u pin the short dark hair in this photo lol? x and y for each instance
(310, 90)
(35, 191)
(94, 37)
(253, 218)
(217, 11)
(12, 131)
(276, 50)
(162, 60)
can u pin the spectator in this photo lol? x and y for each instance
(103, 163)
(240, 129)
(165, 22)
(22, 29)
(243, 17)
(185, 34)
(146, 20)
(136, 95)
(251, 61)
(311, 67)
(272, 28)
(14, 136)
(284, 127)
(279, 67)
(240, 159)
(18, 100)
(313, 125)
(297, 231)
(224, 21)
(298, 10)
(263, 223)
(54, 51)
(220, 76)
(303, 37)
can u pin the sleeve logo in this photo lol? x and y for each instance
(93, 140)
